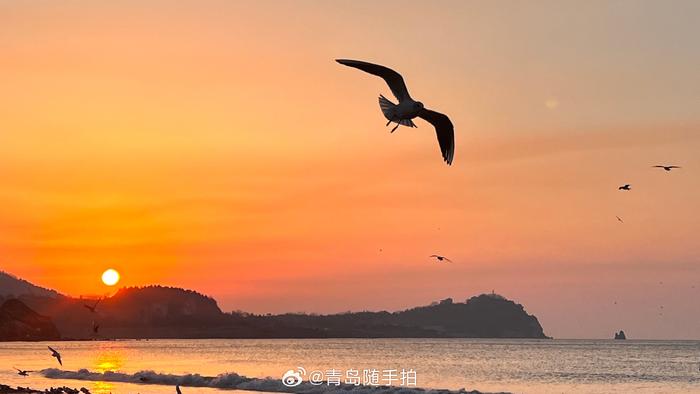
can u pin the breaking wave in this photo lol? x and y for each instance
(234, 381)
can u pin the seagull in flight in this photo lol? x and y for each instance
(619, 219)
(441, 258)
(625, 187)
(56, 354)
(21, 372)
(407, 109)
(92, 308)
(666, 168)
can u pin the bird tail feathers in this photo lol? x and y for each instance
(390, 114)
(387, 107)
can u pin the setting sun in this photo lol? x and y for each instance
(110, 277)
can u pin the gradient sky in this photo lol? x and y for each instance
(217, 146)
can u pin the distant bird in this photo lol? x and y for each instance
(407, 108)
(667, 168)
(625, 187)
(84, 390)
(22, 372)
(177, 389)
(619, 219)
(92, 308)
(56, 354)
(441, 258)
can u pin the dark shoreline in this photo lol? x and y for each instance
(5, 389)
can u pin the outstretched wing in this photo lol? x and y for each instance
(392, 78)
(52, 349)
(674, 167)
(445, 132)
(659, 166)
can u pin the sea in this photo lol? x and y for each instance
(357, 365)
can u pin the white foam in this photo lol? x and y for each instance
(234, 381)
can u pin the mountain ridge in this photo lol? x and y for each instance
(169, 312)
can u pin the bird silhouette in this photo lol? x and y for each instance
(408, 109)
(625, 187)
(441, 258)
(56, 354)
(22, 372)
(92, 308)
(619, 219)
(667, 168)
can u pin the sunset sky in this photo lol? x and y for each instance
(217, 146)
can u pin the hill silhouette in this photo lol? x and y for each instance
(19, 323)
(11, 286)
(483, 316)
(167, 312)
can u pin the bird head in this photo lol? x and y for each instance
(418, 105)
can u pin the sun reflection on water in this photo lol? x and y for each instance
(111, 360)
(108, 360)
(102, 387)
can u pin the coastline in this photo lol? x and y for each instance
(5, 389)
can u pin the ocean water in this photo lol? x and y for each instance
(517, 366)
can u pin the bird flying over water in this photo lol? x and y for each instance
(22, 372)
(407, 109)
(92, 308)
(625, 187)
(56, 354)
(441, 258)
(667, 168)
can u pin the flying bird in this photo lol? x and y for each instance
(619, 219)
(22, 372)
(408, 109)
(92, 308)
(441, 258)
(625, 187)
(56, 354)
(666, 168)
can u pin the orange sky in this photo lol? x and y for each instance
(217, 146)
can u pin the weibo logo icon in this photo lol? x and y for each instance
(293, 378)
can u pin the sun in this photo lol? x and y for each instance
(110, 277)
